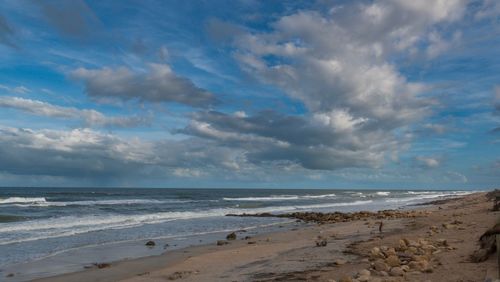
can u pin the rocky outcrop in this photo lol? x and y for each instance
(334, 217)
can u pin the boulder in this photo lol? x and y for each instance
(150, 243)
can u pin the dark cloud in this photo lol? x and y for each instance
(325, 142)
(84, 153)
(158, 84)
(6, 33)
(73, 18)
(221, 31)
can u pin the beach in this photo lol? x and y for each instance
(447, 233)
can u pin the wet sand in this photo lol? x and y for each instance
(446, 232)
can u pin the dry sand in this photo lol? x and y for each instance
(293, 255)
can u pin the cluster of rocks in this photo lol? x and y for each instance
(334, 217)
(409, 257)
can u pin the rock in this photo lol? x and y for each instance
(346, 279)
(380, 265)
(340, 262)
(231, 236)
(102, 265)
(251, 242)
(393, 261)
(376, 253)
(402, 245)
(364, 272)
(396, 271)
(412, 250)
(363, 278)
(222, 242)
(248, 237)
(10, 275)
(390, 252)
(405, 268)
(321, 243)
(448, 226)
(383, 273)
(150, 243)
(442, 242)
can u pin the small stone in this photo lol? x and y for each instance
(251, 242)
(222, 242)
(402, 245)
(102, 265)
(231, 236)
(346, 279)
(363, 278)
(340, 262)
(321, 243)
(383, 273)
(442, 242)
(379, 265)
(396, 271)
(390, 252)
(393, 261)
(405, 268)
(364, 272)
(10, 275)
(376, 253)
(150, 243)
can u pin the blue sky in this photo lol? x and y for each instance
(273, 94)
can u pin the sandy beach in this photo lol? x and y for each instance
(430, 243)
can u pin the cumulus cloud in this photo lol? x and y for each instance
(89, 117)
(85, 153)
(158, 84)
(428, 162)
(359, 105)
(321, 142)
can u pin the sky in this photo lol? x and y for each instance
(250, 94)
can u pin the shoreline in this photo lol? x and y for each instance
(241, 261)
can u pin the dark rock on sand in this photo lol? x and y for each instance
(231, 236)
(150, 243)
(222, 242)
(102, 265)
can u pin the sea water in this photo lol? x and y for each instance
(36, 223)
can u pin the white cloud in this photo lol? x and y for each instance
(89, 117)
(158, 84)
(428, 162)
(340, 65)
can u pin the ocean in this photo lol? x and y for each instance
(41, 223)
